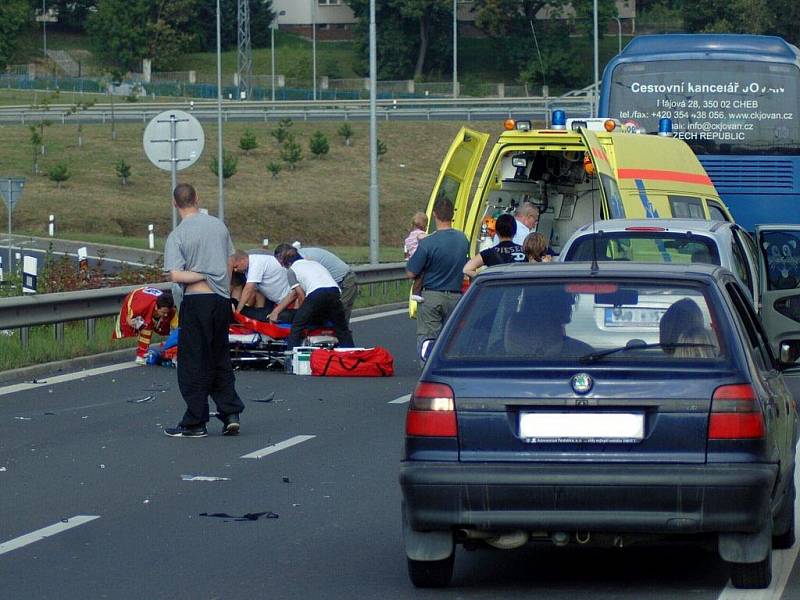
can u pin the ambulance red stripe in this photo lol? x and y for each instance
(664, 175)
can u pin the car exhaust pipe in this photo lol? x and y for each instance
(509, 541)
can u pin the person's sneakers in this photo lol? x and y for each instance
(181, 431)
(140, 360)
(230, 424)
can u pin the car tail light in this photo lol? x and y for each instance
(735, 414)
(432, 411)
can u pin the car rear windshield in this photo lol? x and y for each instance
(645, 246)
(586, 321)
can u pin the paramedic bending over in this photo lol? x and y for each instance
(320, 301)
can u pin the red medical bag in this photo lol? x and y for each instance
(364, 362)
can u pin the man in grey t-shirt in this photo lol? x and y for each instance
(196, 256)
(339, 270)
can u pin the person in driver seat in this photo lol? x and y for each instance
(538, 328)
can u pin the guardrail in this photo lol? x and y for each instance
(441, 108)
(22, 312)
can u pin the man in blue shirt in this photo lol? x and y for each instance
(439, 260)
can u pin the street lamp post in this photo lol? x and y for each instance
(619, 35)
(596, 57)
(374, 240)
(314, 45)
(221, 209)
(455, 48)
(272, 27)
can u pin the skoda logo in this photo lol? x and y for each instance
(582, 383)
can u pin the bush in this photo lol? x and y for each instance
(274, 168)
(229, 165)
(59, 173)
(292, 153)
(318, 144)
(280, 133)
(382, 149)
(346, 133)
(123, 170)
(248, 141)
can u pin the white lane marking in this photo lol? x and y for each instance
(782, 562)
(21, 387)
(390, 313)
(45, 532)
(401, 399)
(298, 439)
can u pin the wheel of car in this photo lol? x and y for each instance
(784, 521)
(752, 576)
(431, 573)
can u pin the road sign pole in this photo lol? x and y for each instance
(9, 207)
(173, 157)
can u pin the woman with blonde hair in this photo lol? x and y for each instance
(535, 248)
(697, 342)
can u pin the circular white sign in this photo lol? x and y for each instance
(189, 140)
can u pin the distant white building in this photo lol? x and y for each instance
(334, 19)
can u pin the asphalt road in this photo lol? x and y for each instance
(93, 446)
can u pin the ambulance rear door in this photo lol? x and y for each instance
(613, 207)
(456, 174)
(660, 177)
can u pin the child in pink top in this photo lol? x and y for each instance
(419, 223)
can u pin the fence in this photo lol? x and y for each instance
(179, 84)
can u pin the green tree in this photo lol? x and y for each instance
(281, 133)
(382, 149)
(59, 173)
(292, 152)
(36, 143)
(248, 141)
(414, 36)
(511, 25)
(204, 24)
(124, 32)
(346, 133)
(77, 109)
(230, 164)
(731, 16)
(274, 168)
(318, 144)
(13, 17)
(123, 170)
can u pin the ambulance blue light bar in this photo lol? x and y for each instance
(559, 120)
(665, 127)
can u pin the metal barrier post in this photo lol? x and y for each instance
(91, 328)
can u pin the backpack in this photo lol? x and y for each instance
(363, 362)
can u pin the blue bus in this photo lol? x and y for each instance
(735, 99)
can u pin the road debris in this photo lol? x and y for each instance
(245, 517)
(203, 478)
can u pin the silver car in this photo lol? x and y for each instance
(767, 264)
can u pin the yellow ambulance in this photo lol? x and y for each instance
(572, 174)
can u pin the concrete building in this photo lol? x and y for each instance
(335, 19)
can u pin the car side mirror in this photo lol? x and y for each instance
(789, 352)
(425, 349)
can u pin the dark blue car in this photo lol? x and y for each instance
(564, 403)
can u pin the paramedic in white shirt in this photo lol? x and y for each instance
(526, 216)
(319, 298)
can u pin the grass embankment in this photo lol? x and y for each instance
(324, 201)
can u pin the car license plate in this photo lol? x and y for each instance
(627, 317)
(587, 428)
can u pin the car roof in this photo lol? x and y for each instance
(669, 225)
(634, 270)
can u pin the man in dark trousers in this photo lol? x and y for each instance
(196, 256)
(439, 260)
(319, 297)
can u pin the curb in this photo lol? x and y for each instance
(117, 356)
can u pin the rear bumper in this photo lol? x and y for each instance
(610, 498)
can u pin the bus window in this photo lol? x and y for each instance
(715, 211)
(686, 207)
